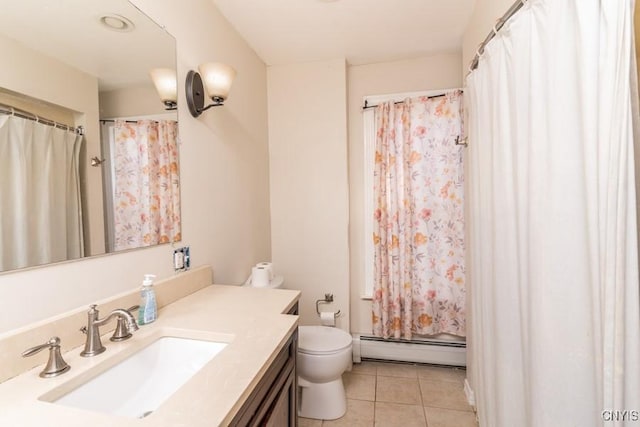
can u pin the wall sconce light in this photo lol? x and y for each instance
(217, 79)
(166, 84)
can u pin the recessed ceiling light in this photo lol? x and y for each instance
(117, 23)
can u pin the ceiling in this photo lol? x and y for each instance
(362, 31)
(70, 31)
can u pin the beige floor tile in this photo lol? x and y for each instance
(359, 414)
(439, 417)
(360, 387)
(364, 368)
(443, 394)
(397, 370)
(435, 373)
(308, 422)
(396, 415)
(398, 390)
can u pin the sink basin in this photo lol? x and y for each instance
(139, 384)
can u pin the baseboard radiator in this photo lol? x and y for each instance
(431, 351)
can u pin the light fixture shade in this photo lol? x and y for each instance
(166, 84)
(217, 78)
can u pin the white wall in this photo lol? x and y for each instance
(309, 184)
(224, 170)
(434, 72)
(130, 102)
(485, 15)
(37, 107)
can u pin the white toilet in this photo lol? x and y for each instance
(324, 353)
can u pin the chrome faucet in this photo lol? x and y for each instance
(93, 346)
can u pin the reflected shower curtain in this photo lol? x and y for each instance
(553, 270)
(419, 274)
(40, 208)
(146, 185)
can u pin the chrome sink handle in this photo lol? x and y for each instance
(123, 331)
(55, 365)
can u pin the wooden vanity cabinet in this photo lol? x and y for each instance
(273, 403)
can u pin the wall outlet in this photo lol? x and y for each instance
(181, 259)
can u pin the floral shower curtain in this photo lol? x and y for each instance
(146, 183)
(419, 275)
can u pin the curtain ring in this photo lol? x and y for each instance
(495, 30)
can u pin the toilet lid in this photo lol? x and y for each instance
(322, 339)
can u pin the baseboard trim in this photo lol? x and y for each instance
(432, 351)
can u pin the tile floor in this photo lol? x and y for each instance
(392, 394)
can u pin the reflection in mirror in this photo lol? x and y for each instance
(66, 194)
(142, 194)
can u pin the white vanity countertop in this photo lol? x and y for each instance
(250, 320)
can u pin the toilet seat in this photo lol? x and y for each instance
(319, 340)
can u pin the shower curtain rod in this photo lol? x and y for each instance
(366, 103)
(126, 121)
(499, 24)
(12, 111)
(113, 121)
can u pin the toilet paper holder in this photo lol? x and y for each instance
(327, 299)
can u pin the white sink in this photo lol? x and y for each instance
(139, 384)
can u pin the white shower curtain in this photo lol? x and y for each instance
(553, 267)
(40, 206)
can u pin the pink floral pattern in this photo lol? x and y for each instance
(146, 184)
(419, 275)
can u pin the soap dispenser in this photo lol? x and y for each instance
(148, 311)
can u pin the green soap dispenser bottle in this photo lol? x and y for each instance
(148, 311)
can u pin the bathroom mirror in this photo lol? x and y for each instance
(81, 63)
